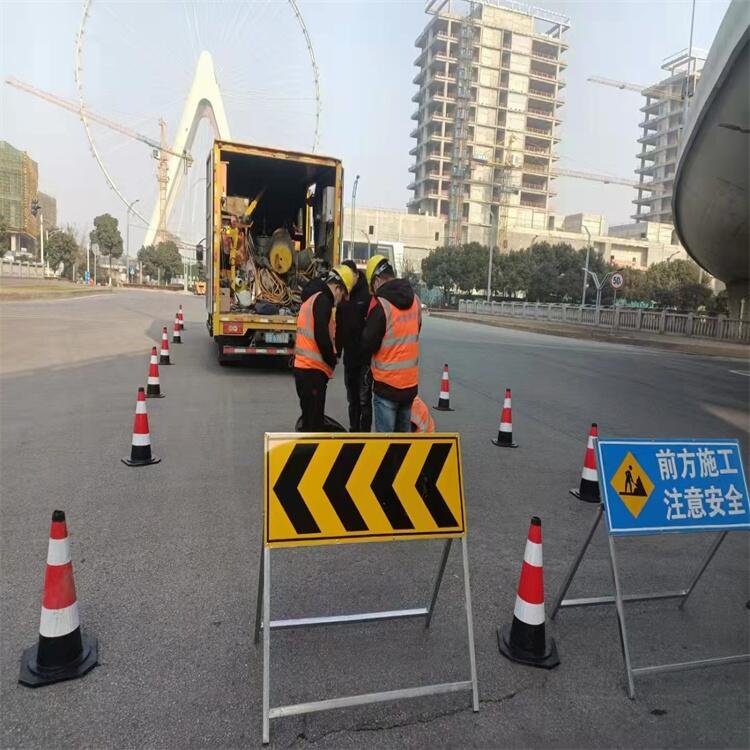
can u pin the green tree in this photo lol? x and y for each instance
(469, 267)
(106, 234)
(437, 270)
(62, 247)
(676, 284)
(411, 276)
(4, 236)
(162, 261)
(170, 260)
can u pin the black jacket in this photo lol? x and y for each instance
(314, 285)
(350, 322)
(322, 310)
(399, 293)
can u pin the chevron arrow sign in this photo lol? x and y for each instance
(336, 487)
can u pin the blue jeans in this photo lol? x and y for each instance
(391, 416)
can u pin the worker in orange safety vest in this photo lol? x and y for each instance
(314, 348)
(391, 341)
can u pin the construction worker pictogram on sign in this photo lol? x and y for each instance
(632, 485)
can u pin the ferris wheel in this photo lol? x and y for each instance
(186, 72)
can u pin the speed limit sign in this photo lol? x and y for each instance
(617, 280)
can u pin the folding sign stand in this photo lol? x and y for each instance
(339, 488)
(619, 599)
(263, 622)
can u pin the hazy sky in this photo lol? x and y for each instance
(365, 52)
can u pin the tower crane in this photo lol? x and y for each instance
(160, 149)
(655, 91)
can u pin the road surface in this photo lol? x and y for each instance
(166, 557)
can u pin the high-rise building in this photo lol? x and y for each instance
(490, 77)
(664, 119)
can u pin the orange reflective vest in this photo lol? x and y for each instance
(421, 417)
(307, 355)
(396, 363)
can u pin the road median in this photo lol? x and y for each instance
(19, 290)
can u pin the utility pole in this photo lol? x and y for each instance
(494, 221)
(127, 237)
(586, 269)
(354, 216)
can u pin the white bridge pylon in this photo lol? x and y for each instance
(204, 101)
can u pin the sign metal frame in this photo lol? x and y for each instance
(264, 624)
(619, 598)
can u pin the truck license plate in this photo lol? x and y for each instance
(277, 338)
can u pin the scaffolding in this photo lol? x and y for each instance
(460, 166)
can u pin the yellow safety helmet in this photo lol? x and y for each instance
(375, 266)
(343, 275)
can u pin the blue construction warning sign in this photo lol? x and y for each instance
(656, 486)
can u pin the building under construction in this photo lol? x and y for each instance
(490, 76)
(19, 182)
(663, 122)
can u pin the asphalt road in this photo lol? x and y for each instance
(166, 557)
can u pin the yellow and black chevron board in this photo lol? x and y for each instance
(332, 488)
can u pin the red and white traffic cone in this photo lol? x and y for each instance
(444, 400)
(164, 353)
(589, 487)
(63, 652)
(176, 337)
(153, 386)
(181, 317)
(140, 450)
(525, 640)
(505, 433)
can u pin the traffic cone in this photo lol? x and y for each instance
(181, 316)
(164, 353)
(525, 641)
(589, 489)
(140, 450)
(444, 400)
(505, 433)
(63, 652)
(153, 386)
(176, 337)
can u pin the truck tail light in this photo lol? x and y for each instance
(232, 329)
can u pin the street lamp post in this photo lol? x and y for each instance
(494, 221)
(354, 216)
(586, 269)
(127, 237)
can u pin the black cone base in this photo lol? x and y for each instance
(164, 362)
(548, 660)
(503, 444)
(32, 675)
(439, 407)
(142, 462)
(588, 491)
(176, 341)
(155, 395)
(585, 498)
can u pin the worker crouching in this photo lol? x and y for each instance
(391, 340)
(314, 351)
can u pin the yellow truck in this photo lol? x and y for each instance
(273, 223)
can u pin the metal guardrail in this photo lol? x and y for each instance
(620, 318)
